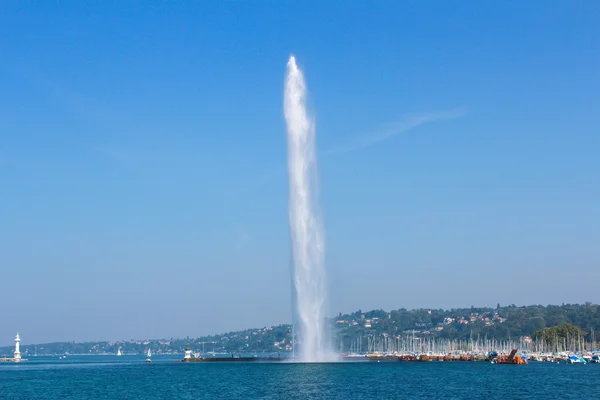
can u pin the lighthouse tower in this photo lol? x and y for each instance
(17, 352)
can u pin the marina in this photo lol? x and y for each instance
(513, 357)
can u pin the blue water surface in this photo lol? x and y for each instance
(129, 377)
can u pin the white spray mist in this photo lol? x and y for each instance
(305, 225)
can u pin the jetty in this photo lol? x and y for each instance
(192, 358)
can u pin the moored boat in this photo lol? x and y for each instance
(512, 358)
(575, 359)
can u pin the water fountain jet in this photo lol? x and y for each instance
(305, 225)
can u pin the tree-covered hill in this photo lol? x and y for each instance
(500, 323)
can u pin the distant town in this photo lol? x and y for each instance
(370, 331)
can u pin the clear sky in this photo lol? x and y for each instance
(143, 188)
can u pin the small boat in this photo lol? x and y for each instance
(573, 359)
(512, 358)
(148, 355)
(119, 352)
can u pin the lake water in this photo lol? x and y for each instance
(129, 377)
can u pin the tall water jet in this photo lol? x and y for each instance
(305, 224)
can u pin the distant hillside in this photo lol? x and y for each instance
(500, 323)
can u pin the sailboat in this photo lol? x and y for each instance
(148, 355)
(119, 352)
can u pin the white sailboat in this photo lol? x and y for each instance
(148, 355)
(119, 352)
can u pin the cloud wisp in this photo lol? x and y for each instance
(409, 122)
(406, 124)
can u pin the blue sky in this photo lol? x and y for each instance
(143, 154)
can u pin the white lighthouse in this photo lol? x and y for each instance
(17, 352)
